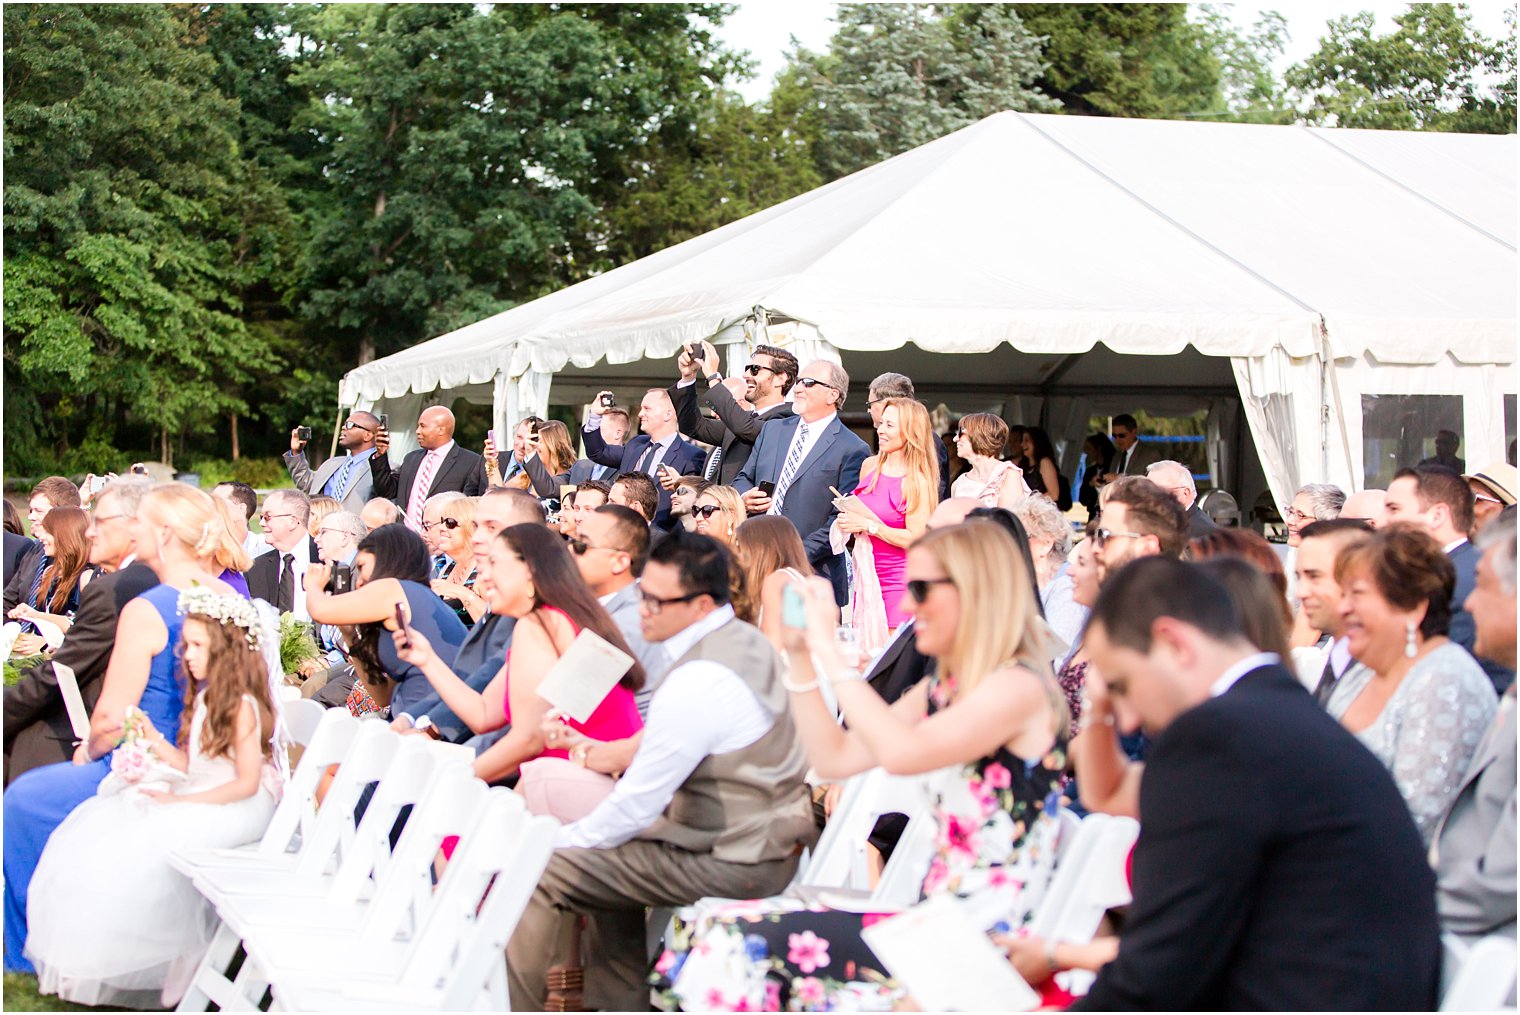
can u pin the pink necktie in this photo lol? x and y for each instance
(420, 488)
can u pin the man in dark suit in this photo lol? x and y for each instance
(17, 547)
(802, 457)
(1177, 480)
(1440, 501)
(893, 385)
(37, 729)
(658, 448)
(278, 577)
(767, 381)
(346, 477)
(1279, 867)
(437, 466)
(613, 429)
(1131, 456)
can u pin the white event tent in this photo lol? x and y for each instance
(1331, 286)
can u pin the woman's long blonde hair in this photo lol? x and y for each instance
(999, 618)
(921, 478)
(190, 515)
(229, 554)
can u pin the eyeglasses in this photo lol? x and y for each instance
(813, 382)
(351, 425)
(109, 518)
(1104, 535)
(449, 523)
(579, 547)
(654, 604)
(706, 510)
(918, 588)
(754, 369)
(1293, 514)
(959, 434)
(266, 517)
(333, 532)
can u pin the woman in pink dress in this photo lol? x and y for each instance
(898, 491)
(530, 575)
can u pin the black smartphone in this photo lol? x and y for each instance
(695, 352)
(767, 488)
(406, 632)
(608, 402)
(383, 425)
(533, 427)
(139, 469)
(303, 433)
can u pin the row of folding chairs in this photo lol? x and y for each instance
(325, 913)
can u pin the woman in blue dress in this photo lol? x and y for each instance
(176, 534)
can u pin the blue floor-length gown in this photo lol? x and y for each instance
(38, 801)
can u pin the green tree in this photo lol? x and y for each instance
(1249, 89)
(1435, 71)
(899, 75)
(122, 201)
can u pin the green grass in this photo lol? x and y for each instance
(21, 995)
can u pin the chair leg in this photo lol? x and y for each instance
(567, 981)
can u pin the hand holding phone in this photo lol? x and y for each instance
(793, 607)
(768, 488)
(406, 632)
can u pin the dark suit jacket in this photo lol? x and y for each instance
(481, 656)
(462, 470)
(1199, 524)
(1277, 868)
(735, 429)
(900, 667)
(16, 547)
(1143, 456)
(37, 730)
(585, 470)
(21, 581)
(835, 461)
(264, 574)
(1462, 631)
(682, 455)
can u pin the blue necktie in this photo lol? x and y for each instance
(337, 486)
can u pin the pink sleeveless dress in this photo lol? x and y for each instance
(891, 561)
(616, 718)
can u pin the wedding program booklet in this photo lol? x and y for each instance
(584, 675)
(73, 701)
(937, 951)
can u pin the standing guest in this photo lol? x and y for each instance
(173, 537)
(1177, 480)
(548, 459)
(1436, 499)
(683, 497)
(888, 386)
(345, 478)
(1040, 470)
(454, 537)
(61, 577)
(513, 473)
(1323, 873)
(378, 512)
(1050, 546)
(321, 507)
(37, 729)
(1493, 490)
(1320, 668)
(991, 714)
(1130, 454)
(637, 491)
(276, 576)
(980, 439)
(16, 544)
(610, 555)
(718, 511)
(589, 496)
(772, 555)
(1099, 452)
(659, 445)
(436, 466)
(1016, 446)
(1422, 704)
(535, 581)
(1446, 457)
(1473, 849)
(391, 572)
(890, 507)
(1366, 506)
(244, 501)
(713, 803)
(767, 380)
(54, 491)
(229, 554)
(613, 428)
(799, 459)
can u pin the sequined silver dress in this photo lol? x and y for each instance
(1428, 730)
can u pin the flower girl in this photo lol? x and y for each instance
(110, 921)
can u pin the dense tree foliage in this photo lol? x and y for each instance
(213, 211)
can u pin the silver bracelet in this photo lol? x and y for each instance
(811, 685)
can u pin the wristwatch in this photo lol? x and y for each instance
(873, 529)
(715, 378)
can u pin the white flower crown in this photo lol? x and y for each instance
(224, 608)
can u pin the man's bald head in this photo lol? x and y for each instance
(952, 512)
(1366, 505)
(435, 427)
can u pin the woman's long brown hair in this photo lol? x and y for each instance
(233, 669)
(71, 555)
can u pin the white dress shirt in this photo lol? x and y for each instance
(302, 554)
(701, 708)
(815, 431)
(1228, 678)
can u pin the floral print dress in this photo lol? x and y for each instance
(783, 954)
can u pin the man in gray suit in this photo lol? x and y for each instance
(610, 547)
(345, 478)
(1473, 850)
(799, 458)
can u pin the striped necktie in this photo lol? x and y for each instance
(420, 488)
(713, 464)
(789, 470)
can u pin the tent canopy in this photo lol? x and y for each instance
(1286, 250)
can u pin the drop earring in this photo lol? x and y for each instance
(1411, 647)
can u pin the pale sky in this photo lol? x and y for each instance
(764, 27)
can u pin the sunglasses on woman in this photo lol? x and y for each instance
(448, 523)
(918, 588)
(705, 510)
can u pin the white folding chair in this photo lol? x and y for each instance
(302, 717)
(840, 858)
(1482, 975)
(1089, 881)
(455, 962)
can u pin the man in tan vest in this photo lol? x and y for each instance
(713, 803)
